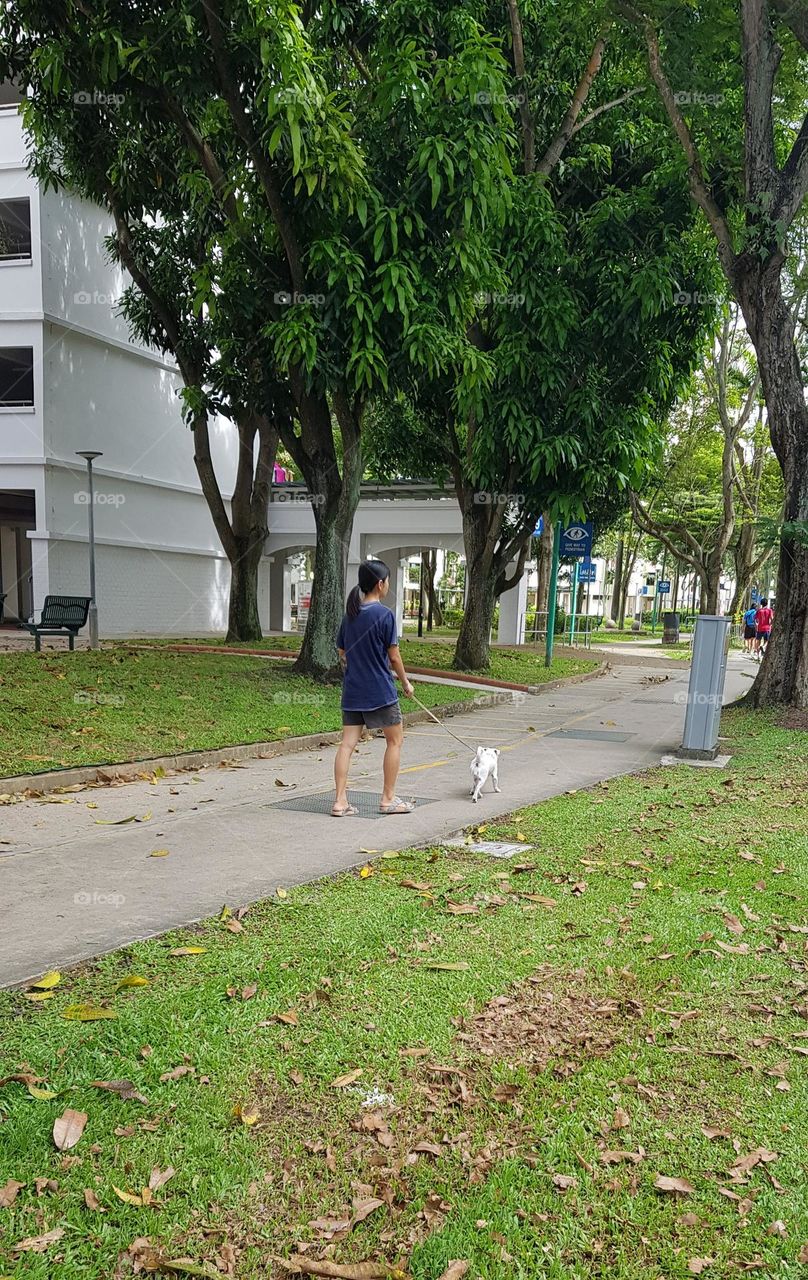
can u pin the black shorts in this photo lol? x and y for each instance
(764, 636)
(378, 718)
(749, 633)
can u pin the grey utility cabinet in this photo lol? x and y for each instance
(705, 693)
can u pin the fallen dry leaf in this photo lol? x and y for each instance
(696, 1265)
(86, 1013)
(340, 1270)
(247, 1113)
(675, 1186)
(342, 1082)
(91, 1201)
(460, 967)
(177, 1072)
(128, 1197)
(620, 1119)
(9, 1193)
(564, 1181)
(48, 980)
(38, 1244)
(187, 951)
(159, 1177)
(363, 1209)
(124, 1088)
(455, 1270)
(68, 1128)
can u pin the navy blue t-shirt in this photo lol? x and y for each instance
(368, 682)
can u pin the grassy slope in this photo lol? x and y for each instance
(521, 666)
(157, 703)
(649, 884)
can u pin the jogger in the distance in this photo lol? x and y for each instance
(369, 653)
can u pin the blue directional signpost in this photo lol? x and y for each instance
(588, 571)
(576, 543)
(576, 540)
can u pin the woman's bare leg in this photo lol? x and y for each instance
(351, 733)
(394, 735)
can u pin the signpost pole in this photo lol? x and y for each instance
(574, 601)
(551, 596)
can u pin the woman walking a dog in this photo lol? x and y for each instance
(369, 654)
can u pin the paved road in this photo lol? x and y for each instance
(73, 887)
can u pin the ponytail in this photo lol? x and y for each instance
(371, 572)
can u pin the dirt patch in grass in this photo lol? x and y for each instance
(794, 719)
(550, 1020)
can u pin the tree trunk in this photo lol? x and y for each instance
(711, 586)
(617, 581)
(318, 654)
(545, 564)
(334, 491)
(783, 677)
(480, 527)
(472, 652)
(630, 561)
(243, 622)
(435, 613)
(249, 509)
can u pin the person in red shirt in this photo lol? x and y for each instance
(763, 623)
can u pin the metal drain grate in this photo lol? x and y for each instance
(592, 735)
(367, 802)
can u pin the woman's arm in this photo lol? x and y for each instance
(394, 654)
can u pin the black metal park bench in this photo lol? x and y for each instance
(61, 616)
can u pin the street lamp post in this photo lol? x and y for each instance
(92, 618)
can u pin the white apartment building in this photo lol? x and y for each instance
(72, 379)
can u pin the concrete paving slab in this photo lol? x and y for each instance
(77, 879)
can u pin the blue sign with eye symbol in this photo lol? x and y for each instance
(576, 540)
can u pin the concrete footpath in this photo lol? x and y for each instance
(74, 885)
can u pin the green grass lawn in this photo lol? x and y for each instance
(625, 1006)
(59, 709)
(519, 665)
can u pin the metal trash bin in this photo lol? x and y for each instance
(670, 628)
(705, 693)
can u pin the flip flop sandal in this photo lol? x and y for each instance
(349, 811)
(396, 806)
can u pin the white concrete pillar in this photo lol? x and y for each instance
(280, 594)
(512, 611)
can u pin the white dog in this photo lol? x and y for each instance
(484, 765)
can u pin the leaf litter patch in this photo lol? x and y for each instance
(350, 1189)
(550, 1020)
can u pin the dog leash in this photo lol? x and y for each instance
(462, 742)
